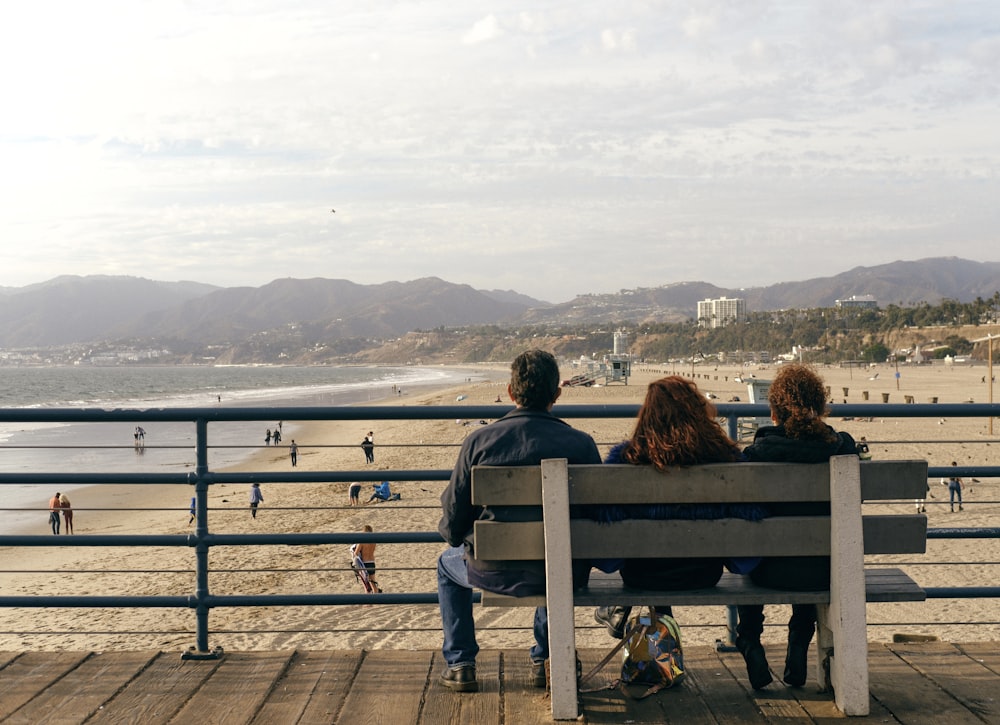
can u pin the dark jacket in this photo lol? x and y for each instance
(770, 444)
(521, 438)
(636, 570)
(802, 573)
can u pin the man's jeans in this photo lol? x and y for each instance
(457, 622)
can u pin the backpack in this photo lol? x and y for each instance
(652, 653)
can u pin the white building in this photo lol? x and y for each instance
(720, 312)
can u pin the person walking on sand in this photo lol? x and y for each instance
(293, 451)
(267, 438)
(354, 494)
(67, 512)
(368, 445)
(256, 497)
(54, 505)
(363, 558)
(954, 484)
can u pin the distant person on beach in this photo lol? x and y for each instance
(54, 505)
(354, 494)
(256, 498)
(293, 451)
(193, 510)
(267, 437)
(67, 512)
(365, 553)
(276, 436)
(368, 445)
(524, 436)
(954, 484)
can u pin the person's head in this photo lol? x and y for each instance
(57, 494)
(954, 463)
(798, 402)
(255, 485)
(63, 498)
(368, 528)
(534, 380)
(676, 426)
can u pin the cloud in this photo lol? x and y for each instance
(484, 30)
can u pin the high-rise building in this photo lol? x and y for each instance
(720, 312)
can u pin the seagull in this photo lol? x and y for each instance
(333, 211)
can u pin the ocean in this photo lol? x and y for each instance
(169, 447)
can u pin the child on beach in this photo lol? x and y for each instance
(256, 497)
(954, 484)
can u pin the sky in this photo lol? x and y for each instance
(550, 147)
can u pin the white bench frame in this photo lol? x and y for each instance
(846, 536)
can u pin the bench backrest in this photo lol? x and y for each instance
(893, 533)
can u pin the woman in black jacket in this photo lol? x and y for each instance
(798, 403)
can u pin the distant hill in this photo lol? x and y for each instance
(73, 309)
(900, 283)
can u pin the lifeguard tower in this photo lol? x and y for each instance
(617, 366)
(757, 393)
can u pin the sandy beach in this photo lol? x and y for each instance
(432, 445)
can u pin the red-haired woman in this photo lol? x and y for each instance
(797, 397)
(676, 426)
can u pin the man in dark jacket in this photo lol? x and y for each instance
(525, 436)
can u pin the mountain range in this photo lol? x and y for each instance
(88, 309)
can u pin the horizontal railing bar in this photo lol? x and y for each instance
(444, 412)
(192, 539)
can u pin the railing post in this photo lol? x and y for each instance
(200, 650)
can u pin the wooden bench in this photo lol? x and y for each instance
(845, 536)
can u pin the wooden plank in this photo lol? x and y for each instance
(719, 482)
(847, 612)
(895, 533)
(82, 692)
(776, 703)
(881, 584)
(158, 693)
(389, 687)
(237, 689)
(962, 676)
(312, 689)
(559, 590)
(985, 653)
(522, 701)
(893, 480)
(638, 538)
(907, 694)
(728, 700)
(445, 706)
(32, 673)
(7, 657)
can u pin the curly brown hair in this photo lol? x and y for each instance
(677, 427)
(798, 403)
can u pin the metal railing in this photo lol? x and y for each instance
(202, 539)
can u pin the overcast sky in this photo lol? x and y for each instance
(551, 147)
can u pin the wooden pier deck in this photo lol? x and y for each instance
(932, 682)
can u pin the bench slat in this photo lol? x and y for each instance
(638, 538)
(712, 483)
(881, 585)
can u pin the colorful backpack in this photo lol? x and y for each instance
(652, 653)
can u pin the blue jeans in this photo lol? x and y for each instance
(457, 622)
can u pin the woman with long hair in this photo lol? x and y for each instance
(676, 426)
(797, 397)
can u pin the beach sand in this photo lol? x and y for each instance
(410, 568)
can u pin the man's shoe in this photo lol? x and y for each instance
(614, 618)
(460, 679)
(538, 673)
